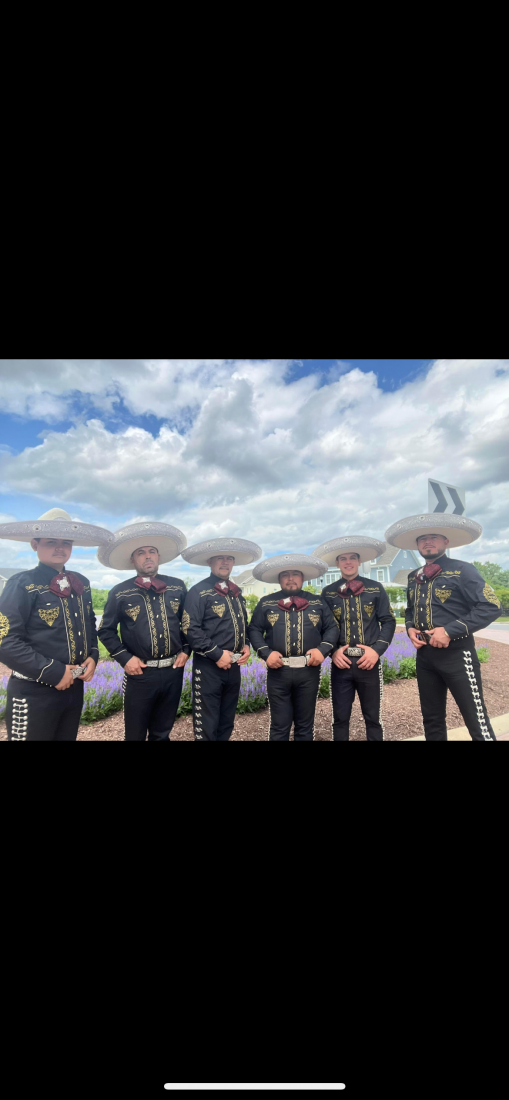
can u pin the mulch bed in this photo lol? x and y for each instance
(401, 713)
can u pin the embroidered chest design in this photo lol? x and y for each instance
(133, 612)
(315, 619)
(272, 617)
(369, 608)
(174, 604)
(490, 595)
(49, 615)
(443, 593)
(186, 621)
(218, 609)
(4, 627)
(337, 614)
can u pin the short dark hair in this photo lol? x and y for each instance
(349, 552)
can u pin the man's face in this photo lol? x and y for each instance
(146, 561)
(291, 580)
(349, 565)
(221, 565)
(54, 552)
(432, 546)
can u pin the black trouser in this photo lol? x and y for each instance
(151, 703)
(292, 696)
(36, 712)
(215, 697)
(457, 668)
(369, 685)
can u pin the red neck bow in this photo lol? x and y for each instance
(354, 587)
(428, 573)
(298, 602)
(65, 583)
(151, 582)
(227, 588)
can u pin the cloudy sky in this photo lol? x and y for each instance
(286, 452)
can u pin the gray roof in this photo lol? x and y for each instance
(243, 578)
(402, 576)
(388, 556)
(8, 573)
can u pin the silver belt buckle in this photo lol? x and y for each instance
(236, 656)
(167, 662)
(354, 651)
(297, 662)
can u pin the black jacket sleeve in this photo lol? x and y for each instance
(192, 623)
(15, 649)
(409, 610)
(256, 632)
(330, 634)
(108, 632)
(483, 604)
(387, 623)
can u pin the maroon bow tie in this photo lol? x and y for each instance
(227, 588)
(298, 602)
(353, 587)
(151, 582)
(65, 583)
(428, 573)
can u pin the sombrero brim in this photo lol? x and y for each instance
(120, 556)
(81, 534)
(367, 549)
(242, 550)
(270, 569)
(458, 529)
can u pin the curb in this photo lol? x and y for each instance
(500, 726)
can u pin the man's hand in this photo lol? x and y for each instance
(90, 666)
(369, 658)
(246, 650)
(134, 667)
(67, 679)
(339, 658)
(414, 638)
(274, 660)
(316, 657)
(226, 660)
(181, 659)
(439, 638)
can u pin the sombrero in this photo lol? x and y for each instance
(243, 551)
(168, 540)
(270, 569)
(55, 524)
(458, 529)
(367, 549)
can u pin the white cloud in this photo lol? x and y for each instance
(287, 465)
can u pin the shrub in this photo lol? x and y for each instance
(483, 654)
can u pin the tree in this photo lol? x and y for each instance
(396, 594)
(493, 573)
(99, 597)
(309, 588)
(251, 602)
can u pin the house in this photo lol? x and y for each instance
(251, 586)
(5, 575)
(392, 568)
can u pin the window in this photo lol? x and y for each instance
(380, 574)
(264, 591)
(373, 562)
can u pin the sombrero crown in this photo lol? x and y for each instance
(242, 550)
(368, 549)
(168, 540)
(270, 569)
(55, 524)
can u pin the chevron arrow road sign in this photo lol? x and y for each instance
(445, 498)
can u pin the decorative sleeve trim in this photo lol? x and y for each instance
(44, 670)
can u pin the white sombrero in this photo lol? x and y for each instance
(55, 524)
(270, 569)
(367, 549)
(168, 540)
(458, 529)
(243, 551)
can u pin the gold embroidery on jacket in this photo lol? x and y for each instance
(218, 609)
(152, 626)
(70, 633)
(315, 619)
(337, 614)
(272, 617)
(133, 612)
(166, 629)
(443, 593)
(174, 604)
(369, 608)
(186, 621)
(359, 617)
(49, 616)
(452, 572)
(4, 627)
(490, 595)
(288, 634)
(300, 631)
(240, 605)
(234, 621)
(207, 592)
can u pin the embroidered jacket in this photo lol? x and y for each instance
(40, 632)
(366, 619)
(292, 633)
(149, 621)
(214, 622)
(458, 599)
